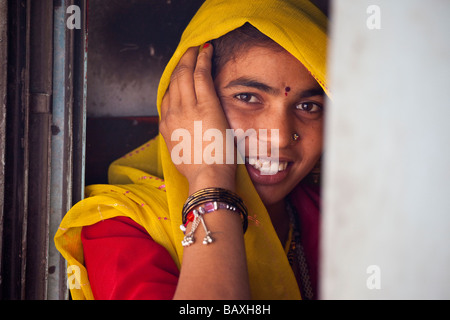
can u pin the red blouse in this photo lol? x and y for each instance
(123, 262)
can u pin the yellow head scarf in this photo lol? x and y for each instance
(137, 189)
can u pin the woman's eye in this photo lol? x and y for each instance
(247, 97)
(310, 107)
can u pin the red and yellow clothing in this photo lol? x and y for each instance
(123, 261)
(146, 187)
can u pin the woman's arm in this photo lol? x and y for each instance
(217, 270)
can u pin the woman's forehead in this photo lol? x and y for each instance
(265, 68)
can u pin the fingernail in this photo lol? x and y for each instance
(206, 45)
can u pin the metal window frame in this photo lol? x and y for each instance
(42, 141)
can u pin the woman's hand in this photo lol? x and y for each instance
(192, 97)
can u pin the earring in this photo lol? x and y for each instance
(295, 136)
(315, 172)
(314, 176)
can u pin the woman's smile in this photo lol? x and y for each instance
(267, 172)
(267, 166)
(282, 95)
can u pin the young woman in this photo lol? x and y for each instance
(253, 66)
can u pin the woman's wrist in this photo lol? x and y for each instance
(209, 200)
(213, 177)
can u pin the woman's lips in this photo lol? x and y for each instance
(266, 172)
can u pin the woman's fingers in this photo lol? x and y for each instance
(203, 82)
(165, 103)
(191, 81)
(182, 81)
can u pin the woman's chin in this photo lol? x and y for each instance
(271, 194)
(273, 188)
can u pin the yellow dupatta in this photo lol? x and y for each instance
(137, 189)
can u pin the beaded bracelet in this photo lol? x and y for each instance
(195, 216)
(207, 208)
(218, 195)
(209, 200)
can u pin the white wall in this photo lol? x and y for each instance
(387, 163)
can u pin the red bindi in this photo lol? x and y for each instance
(286, 90)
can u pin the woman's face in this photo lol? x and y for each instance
(265, 88)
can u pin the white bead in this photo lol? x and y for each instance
(207, 240)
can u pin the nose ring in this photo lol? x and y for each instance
(295, 136)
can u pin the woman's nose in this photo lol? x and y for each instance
(280, 130)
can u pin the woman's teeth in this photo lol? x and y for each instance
(266, 166)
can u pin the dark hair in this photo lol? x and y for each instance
(231, 44)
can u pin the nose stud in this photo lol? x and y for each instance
(295, 136)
